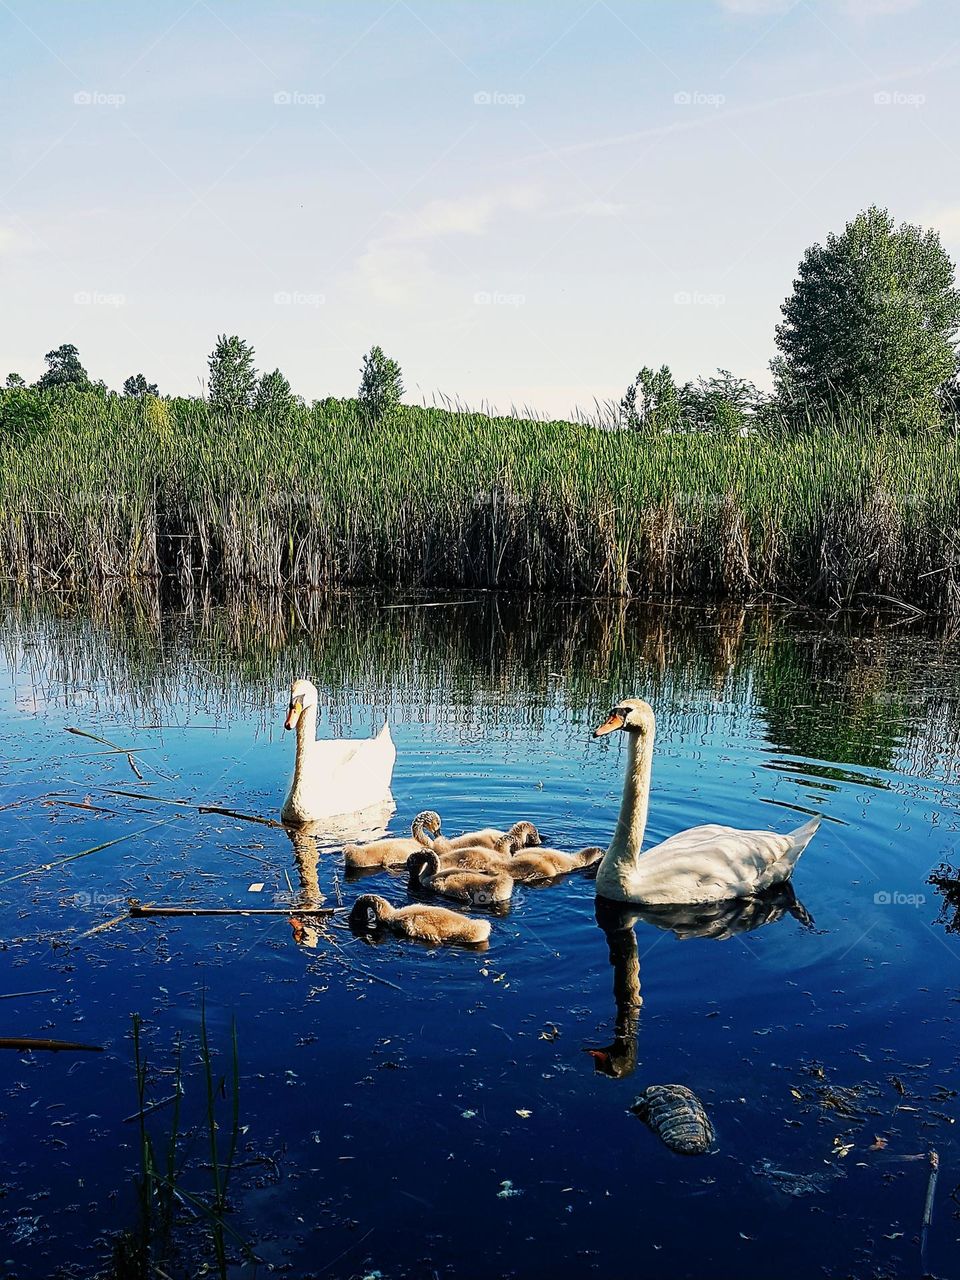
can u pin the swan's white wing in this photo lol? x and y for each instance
(709, 864)
(345, 776)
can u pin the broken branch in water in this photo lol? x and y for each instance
(27, 1044)
(106, 924)
(200, 808)
(123, 751)
(934, 1159)
(153, 1106)
(85, 853)
(21, 995)
(232, 813)
(141, 909)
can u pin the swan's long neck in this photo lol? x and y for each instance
(306, 737)
(628, 837)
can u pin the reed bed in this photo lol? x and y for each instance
(837, 515)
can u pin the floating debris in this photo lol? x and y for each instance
(794, 1184)
(27, 1044)
(507, 1189)
(677, 1117)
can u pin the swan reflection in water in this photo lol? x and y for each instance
(310, 840)
(716, 920)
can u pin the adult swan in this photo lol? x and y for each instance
(334, 776)
(705, 864)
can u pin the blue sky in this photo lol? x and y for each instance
(522, 202)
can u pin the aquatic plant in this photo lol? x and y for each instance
(165, 1165)
(838, 514)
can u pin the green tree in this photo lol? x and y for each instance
(871, 322)
(233, 379)
(15, 380)
(64, 369)
(137, 385)
(381, 384)
(23, 413)
(653, 402)
(273, 397)
(722, 403)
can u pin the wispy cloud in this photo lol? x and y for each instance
(395, 265)
(853, 8)
(946, 220)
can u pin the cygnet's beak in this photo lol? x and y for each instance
(615, 720)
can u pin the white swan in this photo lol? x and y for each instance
(337, 775)
(704, 864)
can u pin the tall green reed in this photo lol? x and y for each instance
(838, 514)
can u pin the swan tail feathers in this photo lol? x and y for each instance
(803, 835)
(781, 870)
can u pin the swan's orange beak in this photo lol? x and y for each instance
(613, 721)
(293, 715)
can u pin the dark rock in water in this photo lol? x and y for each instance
(677, 1117)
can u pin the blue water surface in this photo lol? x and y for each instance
(408, 1111)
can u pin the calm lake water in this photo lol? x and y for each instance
(417, 1112)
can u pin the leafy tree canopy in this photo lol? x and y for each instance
(381, 384)
(273, 396)
(137, 385)
(872, 320)
(233, 378)
(64, 369)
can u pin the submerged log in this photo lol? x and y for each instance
(28, 1044)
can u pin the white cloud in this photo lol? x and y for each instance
(877, 8)
(946, 220)
(395, 266)
(596, 209)
(754, 8)
(852, 8)
(470, 215)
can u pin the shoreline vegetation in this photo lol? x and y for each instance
(833, 513)
(840, 490)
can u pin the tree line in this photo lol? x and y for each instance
(869, 329)
(233, 386)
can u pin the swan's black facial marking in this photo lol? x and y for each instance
(615, 720)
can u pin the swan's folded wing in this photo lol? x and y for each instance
(711, 862)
